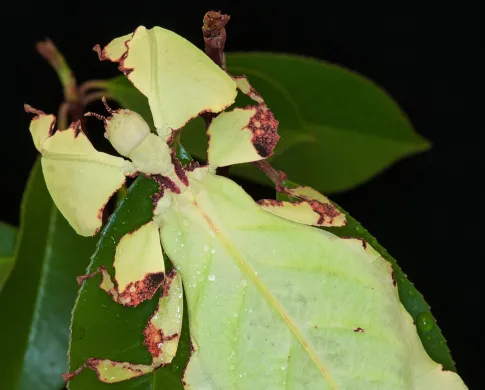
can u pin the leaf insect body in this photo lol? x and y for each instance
(263, 284)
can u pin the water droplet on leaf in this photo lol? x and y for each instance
(424, 322)
(211, 277)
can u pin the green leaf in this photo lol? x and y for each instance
(8, 235)
(104, 329)
(429, 332)
(38, 296)
(358, 129)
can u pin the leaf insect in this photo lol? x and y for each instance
(273, 301)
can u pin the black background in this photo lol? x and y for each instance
(425, 210)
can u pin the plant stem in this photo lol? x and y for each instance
(73, 105)
(62, 115)
(75, 99)
(49, 51)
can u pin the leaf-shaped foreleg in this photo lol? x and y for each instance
(139, 267)
(80, 179)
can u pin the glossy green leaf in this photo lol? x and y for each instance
(38, 297)
(8, 235)
(104, 329)
(357, 129)
(429, 332)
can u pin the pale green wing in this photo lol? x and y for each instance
(242, 135)
(80, 179)
(179, 80)
(278, 305)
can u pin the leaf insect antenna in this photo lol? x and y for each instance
(108, 108)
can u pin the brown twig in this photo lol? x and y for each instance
(214, 32)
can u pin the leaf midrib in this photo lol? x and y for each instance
(422, 145)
